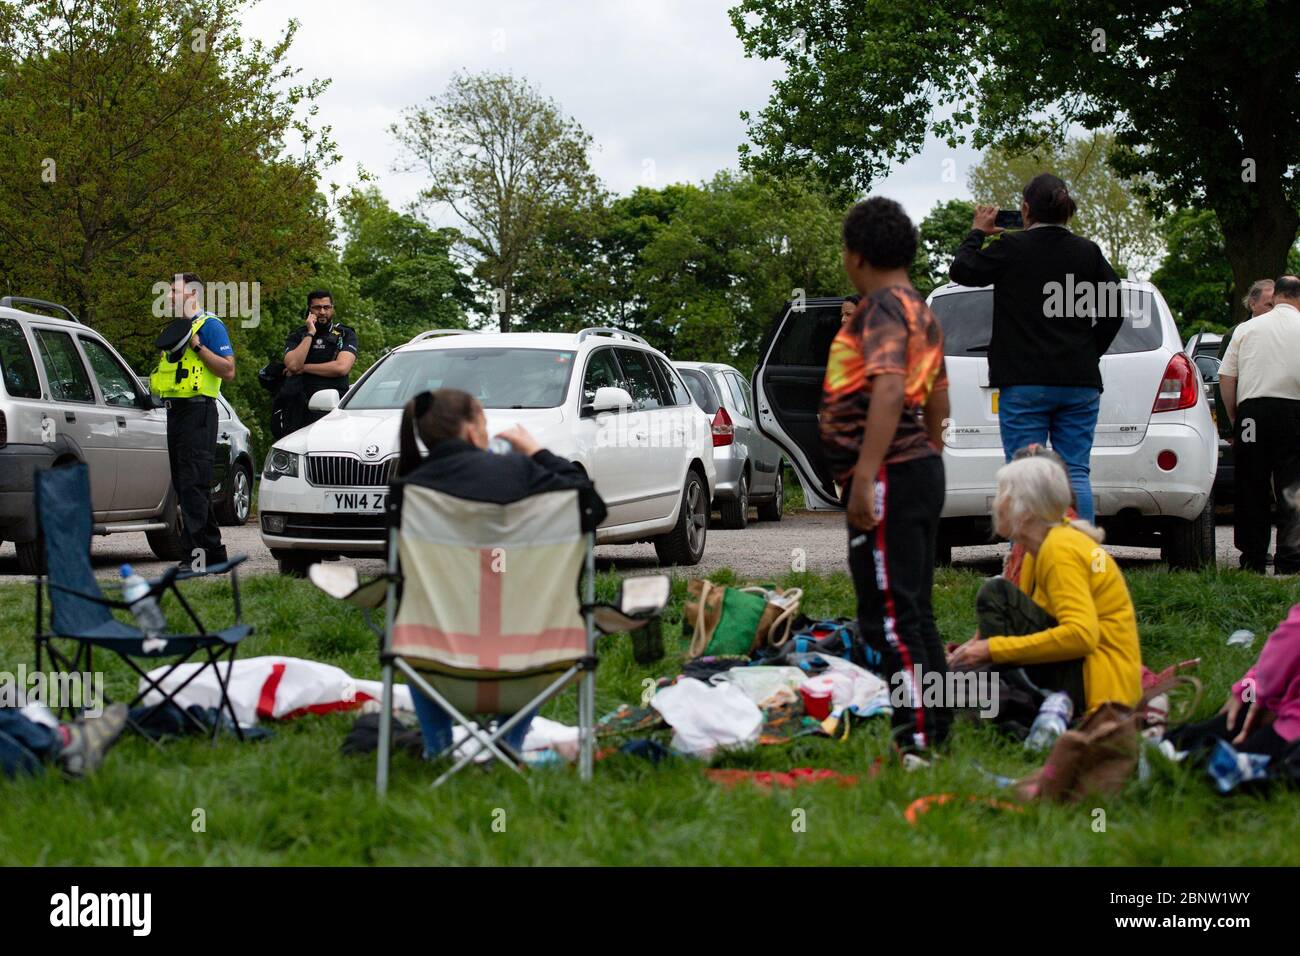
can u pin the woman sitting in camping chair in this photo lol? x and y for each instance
(1068, 622)
(453, 428)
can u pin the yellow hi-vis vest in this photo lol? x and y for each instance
(187, 378)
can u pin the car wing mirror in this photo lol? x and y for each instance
(609, 398)
(325, 400)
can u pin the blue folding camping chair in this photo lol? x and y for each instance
(80, 614)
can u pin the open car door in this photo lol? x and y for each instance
(788, 387)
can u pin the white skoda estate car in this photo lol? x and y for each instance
(602, 397)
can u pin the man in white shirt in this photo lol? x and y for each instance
(1260, 383)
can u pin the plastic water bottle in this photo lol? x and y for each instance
(499, 446)
(135, 592)
(1053, 717)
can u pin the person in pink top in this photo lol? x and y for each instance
(1262, 713)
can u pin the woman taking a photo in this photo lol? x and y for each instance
(1043, 357)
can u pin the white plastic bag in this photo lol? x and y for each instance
(705, 717)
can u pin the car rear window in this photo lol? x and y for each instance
(17, 369)
(498, 378)
(700, 388)
(967, 322)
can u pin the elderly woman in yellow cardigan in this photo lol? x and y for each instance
(1070, 624)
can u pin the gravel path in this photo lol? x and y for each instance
(764, 550)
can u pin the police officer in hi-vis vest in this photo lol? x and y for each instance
(196, 358)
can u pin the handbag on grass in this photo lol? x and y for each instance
(721, 621)
(726, 621)
(778, 615)
(1100, 754)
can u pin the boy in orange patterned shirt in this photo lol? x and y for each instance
(884, 404)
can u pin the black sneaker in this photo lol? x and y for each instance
(89, 739)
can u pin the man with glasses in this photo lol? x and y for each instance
(322, 351)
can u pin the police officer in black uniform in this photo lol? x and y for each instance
(322, 351)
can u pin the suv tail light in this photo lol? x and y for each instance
(724, 433)
(1179, 387)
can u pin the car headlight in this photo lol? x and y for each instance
(281, 463)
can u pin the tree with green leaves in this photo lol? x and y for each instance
(1194, 277)
(1203, 97)
(403, 267)
(142, 138)
(735, 249)
(1111, 213)
(941, 232)
(507, 162)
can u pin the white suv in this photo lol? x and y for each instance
(1154, 450)
(601, 397)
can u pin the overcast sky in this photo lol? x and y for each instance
(657, 82)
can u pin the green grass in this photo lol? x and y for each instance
(296, 800)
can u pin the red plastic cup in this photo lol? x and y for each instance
(816, 701)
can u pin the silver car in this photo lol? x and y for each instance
(748, 463)
(67, 396)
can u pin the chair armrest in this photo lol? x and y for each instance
(222, 568)
(342, 584)
(610, 620)
(156, 588)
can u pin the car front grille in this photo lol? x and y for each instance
(342, 471)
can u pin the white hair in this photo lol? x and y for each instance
(1038, 488)
(1256, 292)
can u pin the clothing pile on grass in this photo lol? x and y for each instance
(757, 673)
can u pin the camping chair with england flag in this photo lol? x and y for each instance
(490, 609)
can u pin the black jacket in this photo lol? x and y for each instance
(458, 468)
(1031, 346)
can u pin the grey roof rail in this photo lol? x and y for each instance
(10, 301)
(432, 332)
(607, 330)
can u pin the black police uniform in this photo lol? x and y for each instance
(326, 345)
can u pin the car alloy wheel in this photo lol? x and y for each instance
(241, 495)
(697, 517)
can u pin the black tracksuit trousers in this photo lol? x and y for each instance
(893, 574)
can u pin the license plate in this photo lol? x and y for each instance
(355, 502)
(994, 396)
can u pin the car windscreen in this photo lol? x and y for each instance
(497, 377)
(700, 388)
(967, 322)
